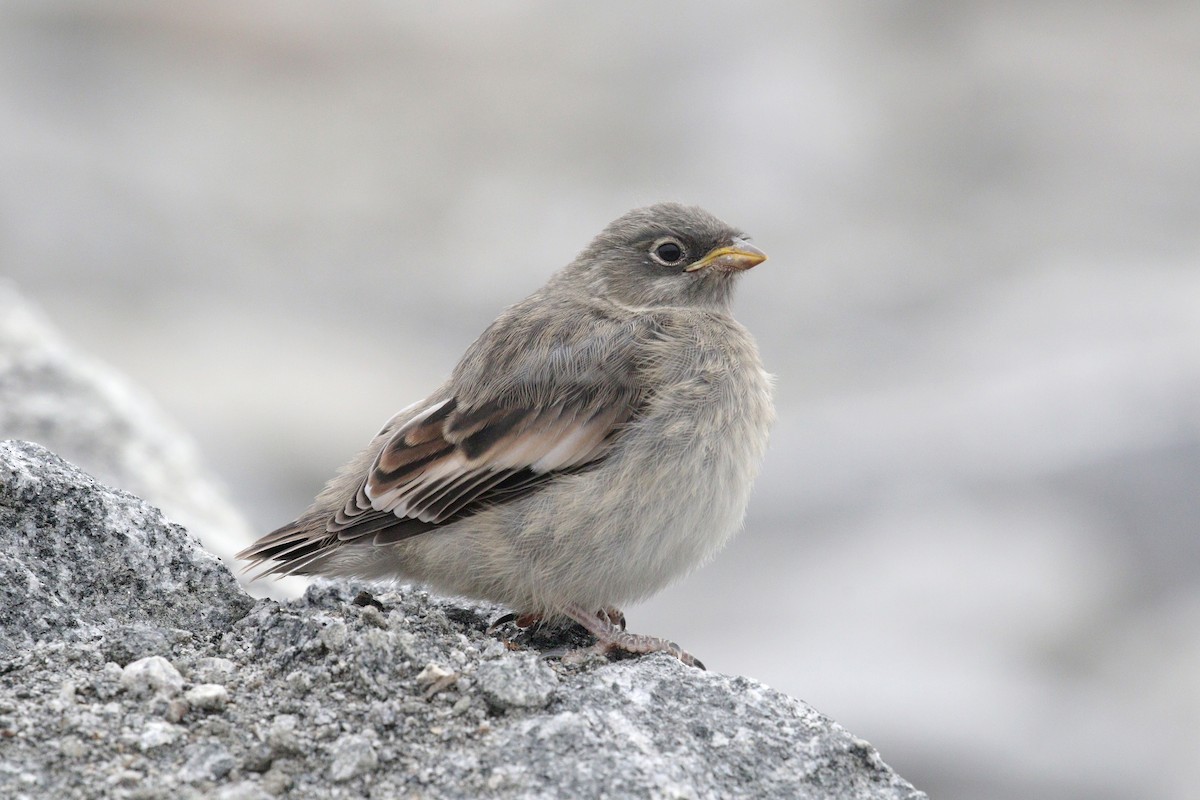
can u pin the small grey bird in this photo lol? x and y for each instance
(598, 441)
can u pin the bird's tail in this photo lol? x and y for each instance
(297, 548)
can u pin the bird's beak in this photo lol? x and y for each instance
(740, 255)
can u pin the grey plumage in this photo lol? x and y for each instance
(595, 443)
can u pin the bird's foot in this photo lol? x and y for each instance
(607, 626)
(613, 616)
(609, 637)
(522, 621)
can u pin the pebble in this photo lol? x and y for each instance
(213, 670)
(206, 761)
(334, 635)
(298, 681)
(151, 675)
(282, 736)
(108, 683)
(371, 615)
(207, 697)
(431, 674)
(175, 710)
(72, 747)
(518, 681)
(157, 733)
(276, 782)
(258, 758)
(353, 755)
(133, 642)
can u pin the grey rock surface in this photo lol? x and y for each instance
(52, 394)
(344, 692)
(81, 561)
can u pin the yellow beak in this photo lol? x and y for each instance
(738, 256)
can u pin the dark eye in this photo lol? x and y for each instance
(667, 252)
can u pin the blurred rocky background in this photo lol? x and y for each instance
(974, 542)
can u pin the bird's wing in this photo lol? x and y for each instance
(534, 401)
(444, 464)
(448, 462)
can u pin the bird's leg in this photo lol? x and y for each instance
(609, 637)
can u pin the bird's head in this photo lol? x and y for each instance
(667, 255)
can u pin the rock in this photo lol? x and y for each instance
(153, 675)
(334, 635)
(83, 410)
(283, 736)
(435, 679)
(258, 758)
(207, 697)
(157, 733)
(432, 674)
(107, 682)
(212, 669)
(173, 710)
(326, 694)
(353, 755)
(135, 641)
(82, 559)
(207, 761)
(524, 682)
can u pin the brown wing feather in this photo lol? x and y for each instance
(448, 463)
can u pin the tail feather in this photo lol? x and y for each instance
(288, 550)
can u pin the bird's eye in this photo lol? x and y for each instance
(667, 252)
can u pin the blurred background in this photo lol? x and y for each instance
(974, 541)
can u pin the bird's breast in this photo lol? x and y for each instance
(713, 397)
(702, 433)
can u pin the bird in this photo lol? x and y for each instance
(598, 441)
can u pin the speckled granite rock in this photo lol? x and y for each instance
(52, 394)
(135, 667)
(80, 561)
